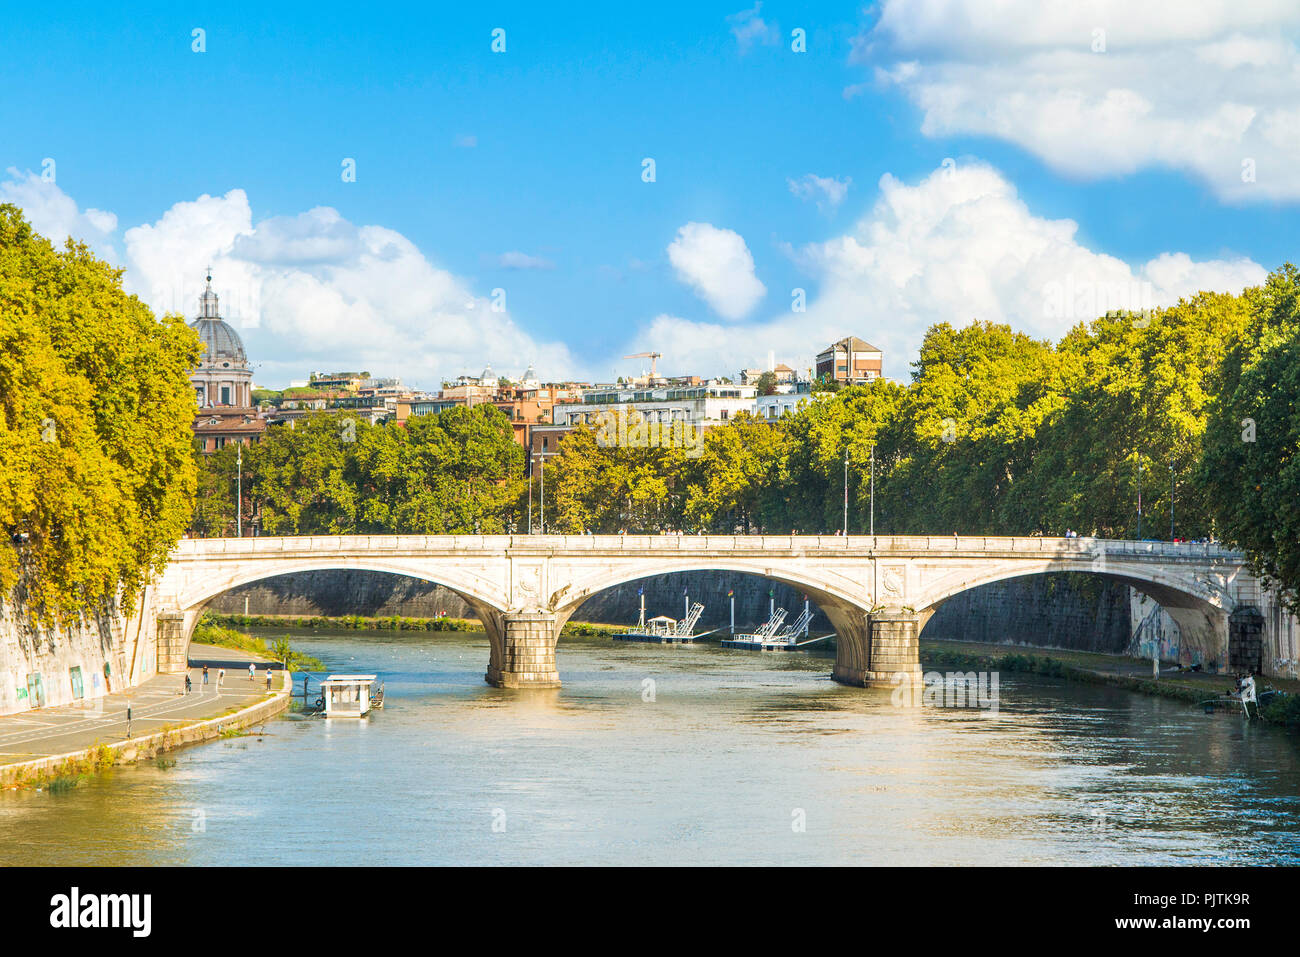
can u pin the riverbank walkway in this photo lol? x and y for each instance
(156, 704)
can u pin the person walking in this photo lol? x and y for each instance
(268, 677)
(187, 682)
(128, 721)
(205, 676)
(221, 676)
(252, 671)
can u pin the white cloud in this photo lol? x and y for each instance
(717, 264)
(749, 28)
(517, 260)
(957, 246)
(306, 292)
(826, 191)
(54, 214)
(323, 291)
(1201, 87)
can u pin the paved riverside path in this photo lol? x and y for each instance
(157, 702)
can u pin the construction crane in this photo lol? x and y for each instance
(654, 358)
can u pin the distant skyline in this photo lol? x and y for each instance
(902, 164)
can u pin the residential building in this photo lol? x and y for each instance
(851, 361)
(711, 403)
(770, 408)
(338, 381)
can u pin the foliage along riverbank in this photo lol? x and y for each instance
(209, 632)
(1189, 687)
(364, 623)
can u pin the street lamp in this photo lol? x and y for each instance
(1171, 501)
(1139, 496)
(239, 486)
(542, 492)
(846, 491)
(873, 489)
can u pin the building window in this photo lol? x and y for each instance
(225, 395)
(78, 689)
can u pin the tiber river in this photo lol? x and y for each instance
(740, 758)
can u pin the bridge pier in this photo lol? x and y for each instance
(872, 653)
(173, 643)
(523, 649)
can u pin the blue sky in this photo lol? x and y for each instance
(465, 156)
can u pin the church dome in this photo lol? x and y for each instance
(221, 343)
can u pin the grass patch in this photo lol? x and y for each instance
(590, 628)
(210, 632)
(1283, 709)
(343, 622)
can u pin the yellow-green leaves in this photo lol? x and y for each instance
(96, 475)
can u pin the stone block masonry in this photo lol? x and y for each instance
(85, 659)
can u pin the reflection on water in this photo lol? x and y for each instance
(734, 751)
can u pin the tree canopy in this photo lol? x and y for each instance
(96, 473)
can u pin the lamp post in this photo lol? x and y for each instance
(239, 486)
(541, 524)
(873, 489)
(1139, 496)
(1171, 502)
(846, 492)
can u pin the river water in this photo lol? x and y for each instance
(656, 754)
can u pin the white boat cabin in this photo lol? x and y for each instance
(662, 625)
(347, 696)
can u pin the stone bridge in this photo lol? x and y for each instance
(877, 591)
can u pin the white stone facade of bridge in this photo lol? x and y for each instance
(877, 591)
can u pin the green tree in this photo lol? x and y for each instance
(215, 495)
(96, 471)
(300, 475)
(808, 491)
(727, 485)
(611, 488)
(1250, 470)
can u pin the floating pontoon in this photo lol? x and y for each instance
(350, 696)
(771, 636)
(664, 630)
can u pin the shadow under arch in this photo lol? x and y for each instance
(667, 593)
(846, 611)
(1200, 610)
(196, 601)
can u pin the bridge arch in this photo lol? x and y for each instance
(830, 598)
(1199, 608)
(847, 608)
(205, 584)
